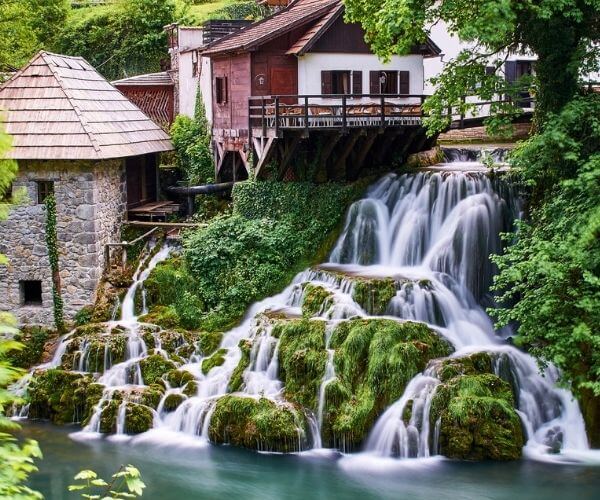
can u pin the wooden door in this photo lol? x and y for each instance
(284, 81)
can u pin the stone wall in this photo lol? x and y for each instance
(91, 201)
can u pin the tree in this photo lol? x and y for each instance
(125, 40)
(560, 32)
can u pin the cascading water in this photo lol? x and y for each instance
(432, 232)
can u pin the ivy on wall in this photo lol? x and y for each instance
(52, 244)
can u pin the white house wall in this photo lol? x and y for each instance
(311, 65)
(206, 87)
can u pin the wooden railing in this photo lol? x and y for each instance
(271, 114)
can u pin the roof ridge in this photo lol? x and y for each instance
(71, 99)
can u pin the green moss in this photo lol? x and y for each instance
(209, 342)
(179, 378)
(256, 424)
(315, 299)
(154, 367)
(151, 395)
(478, 363)
(138, 418)
(164, 316)
(172, 402)
(477, 418)
(217, 359)
(374, 361)
(374, 295)
(84, 315)
(191, 389)
(237, 377)
(61, 396)
(302, 359)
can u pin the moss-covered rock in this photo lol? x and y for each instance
(315, 300)
(302, 359)
(191, 389)
(154, 367)
(138, 418)
(172, 402)
(61, 396)
(179, 378)
(209, 342)
(257, 424)
(33, 340)
(237, 377)
(374, 361)
(477, 363)
(164, 316)
(217, 359)
(151, 395)
(374, 295)
(477, 418)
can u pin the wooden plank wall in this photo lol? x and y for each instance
(234, 113)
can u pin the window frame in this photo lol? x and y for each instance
(221, 90)
(44, 188)
(24, 291)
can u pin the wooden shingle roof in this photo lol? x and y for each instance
(306, 41)
(60, 108)
(297, 14)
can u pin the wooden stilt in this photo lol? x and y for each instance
(288, 155)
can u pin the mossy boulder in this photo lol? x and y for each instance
(154, 367)
(179, 378)
(172, 401)
(257, 424)
(473, 364)
(374, 361)
(209, 342)
(477, 418)
(217, 359)
(302, 359)
(237, 377)
(315, 300)
(151, 395)
(163, 316)
(138, 418)
(374, 295)
(33, 340)
(62, 397)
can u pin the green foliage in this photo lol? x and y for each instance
(315, 299)
(274, 230)
(374, 295)
(123, 40)
(237, 377)
(549, 279)
(125, 483)
(52, 245)
(258, 424)
(191, 139)
(246, 9)
(560, 33)
(84, 316)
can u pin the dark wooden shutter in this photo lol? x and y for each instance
(374, 82)
(391, 82)
(226, 89)
(404, 77)
(510, 71)
(357, 82)
(326, 84)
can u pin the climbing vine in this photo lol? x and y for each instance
(52, 244)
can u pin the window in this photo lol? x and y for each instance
(44, 189)
(390, 82)
(195, 64)
(31, 293)
(336, 82)
(221, 89)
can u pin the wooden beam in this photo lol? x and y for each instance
(264, 157)
(386, 142)
(340, 164)
(359, 159)
(291, 148)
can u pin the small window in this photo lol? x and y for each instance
(31, 293)
(221, 89)
(44, 189)
(340, 82)
(384, 82)
(195, 63)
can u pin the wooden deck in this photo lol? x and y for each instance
(155, 211)
(271, 115)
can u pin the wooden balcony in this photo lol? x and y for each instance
(270, 116)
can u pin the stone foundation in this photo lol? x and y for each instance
(91, 202)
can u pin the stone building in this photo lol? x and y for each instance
(76, 136)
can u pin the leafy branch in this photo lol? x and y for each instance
(93, 487)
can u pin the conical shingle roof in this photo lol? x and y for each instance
(59, 107)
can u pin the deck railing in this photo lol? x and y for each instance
(271, 114)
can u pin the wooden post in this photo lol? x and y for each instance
(344, 119)
(462, 112)
(276, 116)
(382, 111)
(264, 122)
(124, 258)
(306, 115)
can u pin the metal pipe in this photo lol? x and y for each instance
(203, 189)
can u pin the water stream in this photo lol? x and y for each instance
(433, 229)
